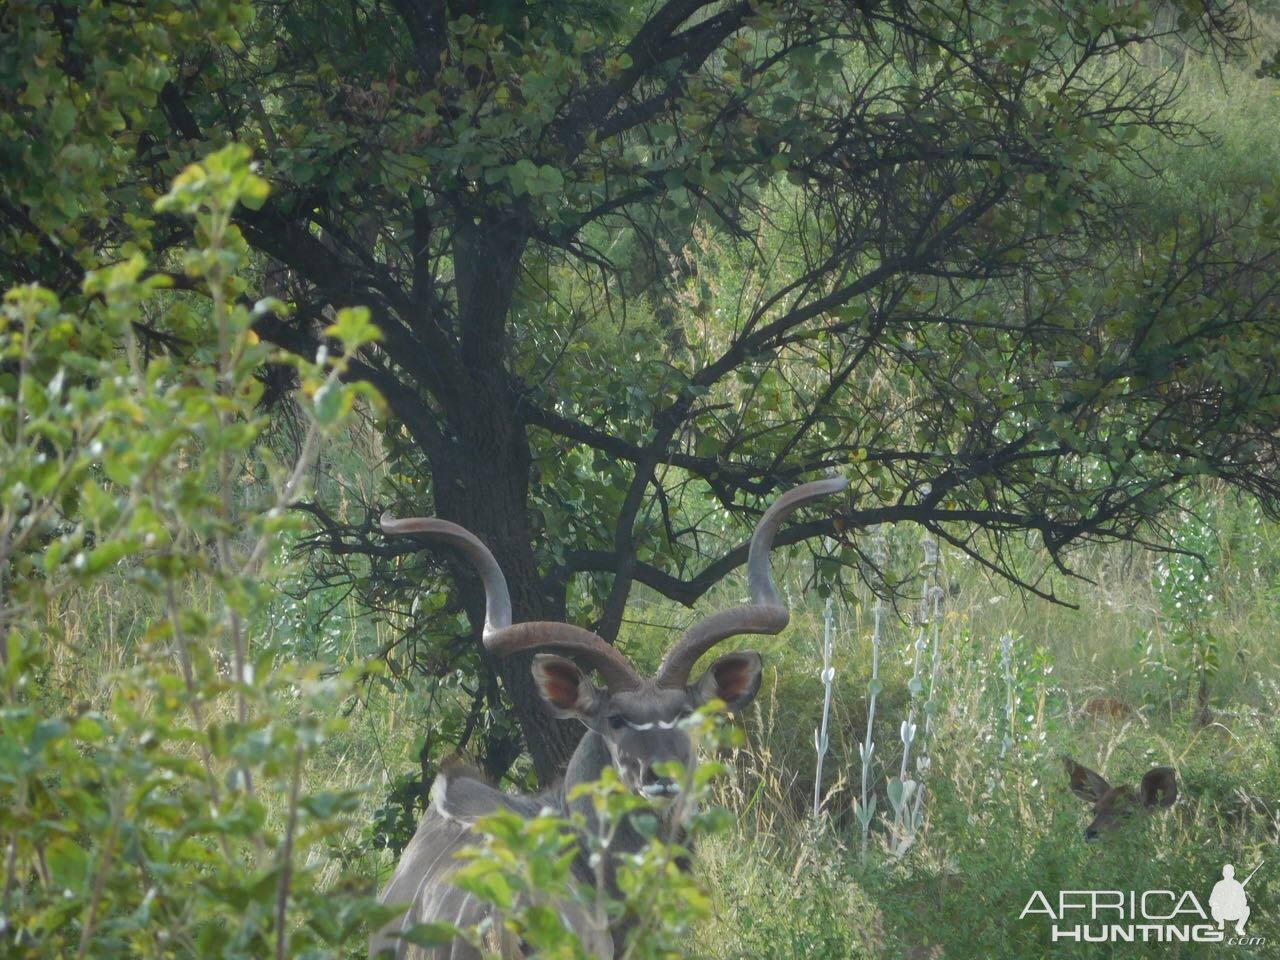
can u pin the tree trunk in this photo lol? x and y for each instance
(481, 475)
(483, 484)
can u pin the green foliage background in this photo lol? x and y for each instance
(198, 756)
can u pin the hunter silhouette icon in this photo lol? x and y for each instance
(1229, 901)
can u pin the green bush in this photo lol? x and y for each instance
(166, 817)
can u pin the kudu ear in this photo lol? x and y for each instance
(1085, 783)
(734, 678)
(565, 688)
(1159, 787)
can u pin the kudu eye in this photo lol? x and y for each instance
(617, 721)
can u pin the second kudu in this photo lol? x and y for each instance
(1112, 806)
(633, 725)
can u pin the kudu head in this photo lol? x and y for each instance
(1113, 805)
(637, 717)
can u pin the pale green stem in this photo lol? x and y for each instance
(286, 858)
(866, 749)
(821, 739)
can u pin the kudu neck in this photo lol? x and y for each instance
(587, 764)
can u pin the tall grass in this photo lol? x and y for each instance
(1000, 822)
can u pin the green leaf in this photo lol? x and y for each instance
(429, 934)
(62, 118)
(68, 863)
(354, 328)
(897, 792)
(329, 403)
(101, 558)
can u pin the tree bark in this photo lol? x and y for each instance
(484, 486)
(481, 474)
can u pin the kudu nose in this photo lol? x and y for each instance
(1091, 833)
(655, 784)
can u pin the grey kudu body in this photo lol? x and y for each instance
(632, 725)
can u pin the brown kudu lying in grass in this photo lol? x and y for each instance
(1113, 805)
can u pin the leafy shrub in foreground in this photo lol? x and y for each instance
(171, 818)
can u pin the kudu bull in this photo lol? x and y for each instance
(633, 724)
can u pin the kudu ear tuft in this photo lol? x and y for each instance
(1085, 783)
(566, 690)
(734, 678)
(1159, 787)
